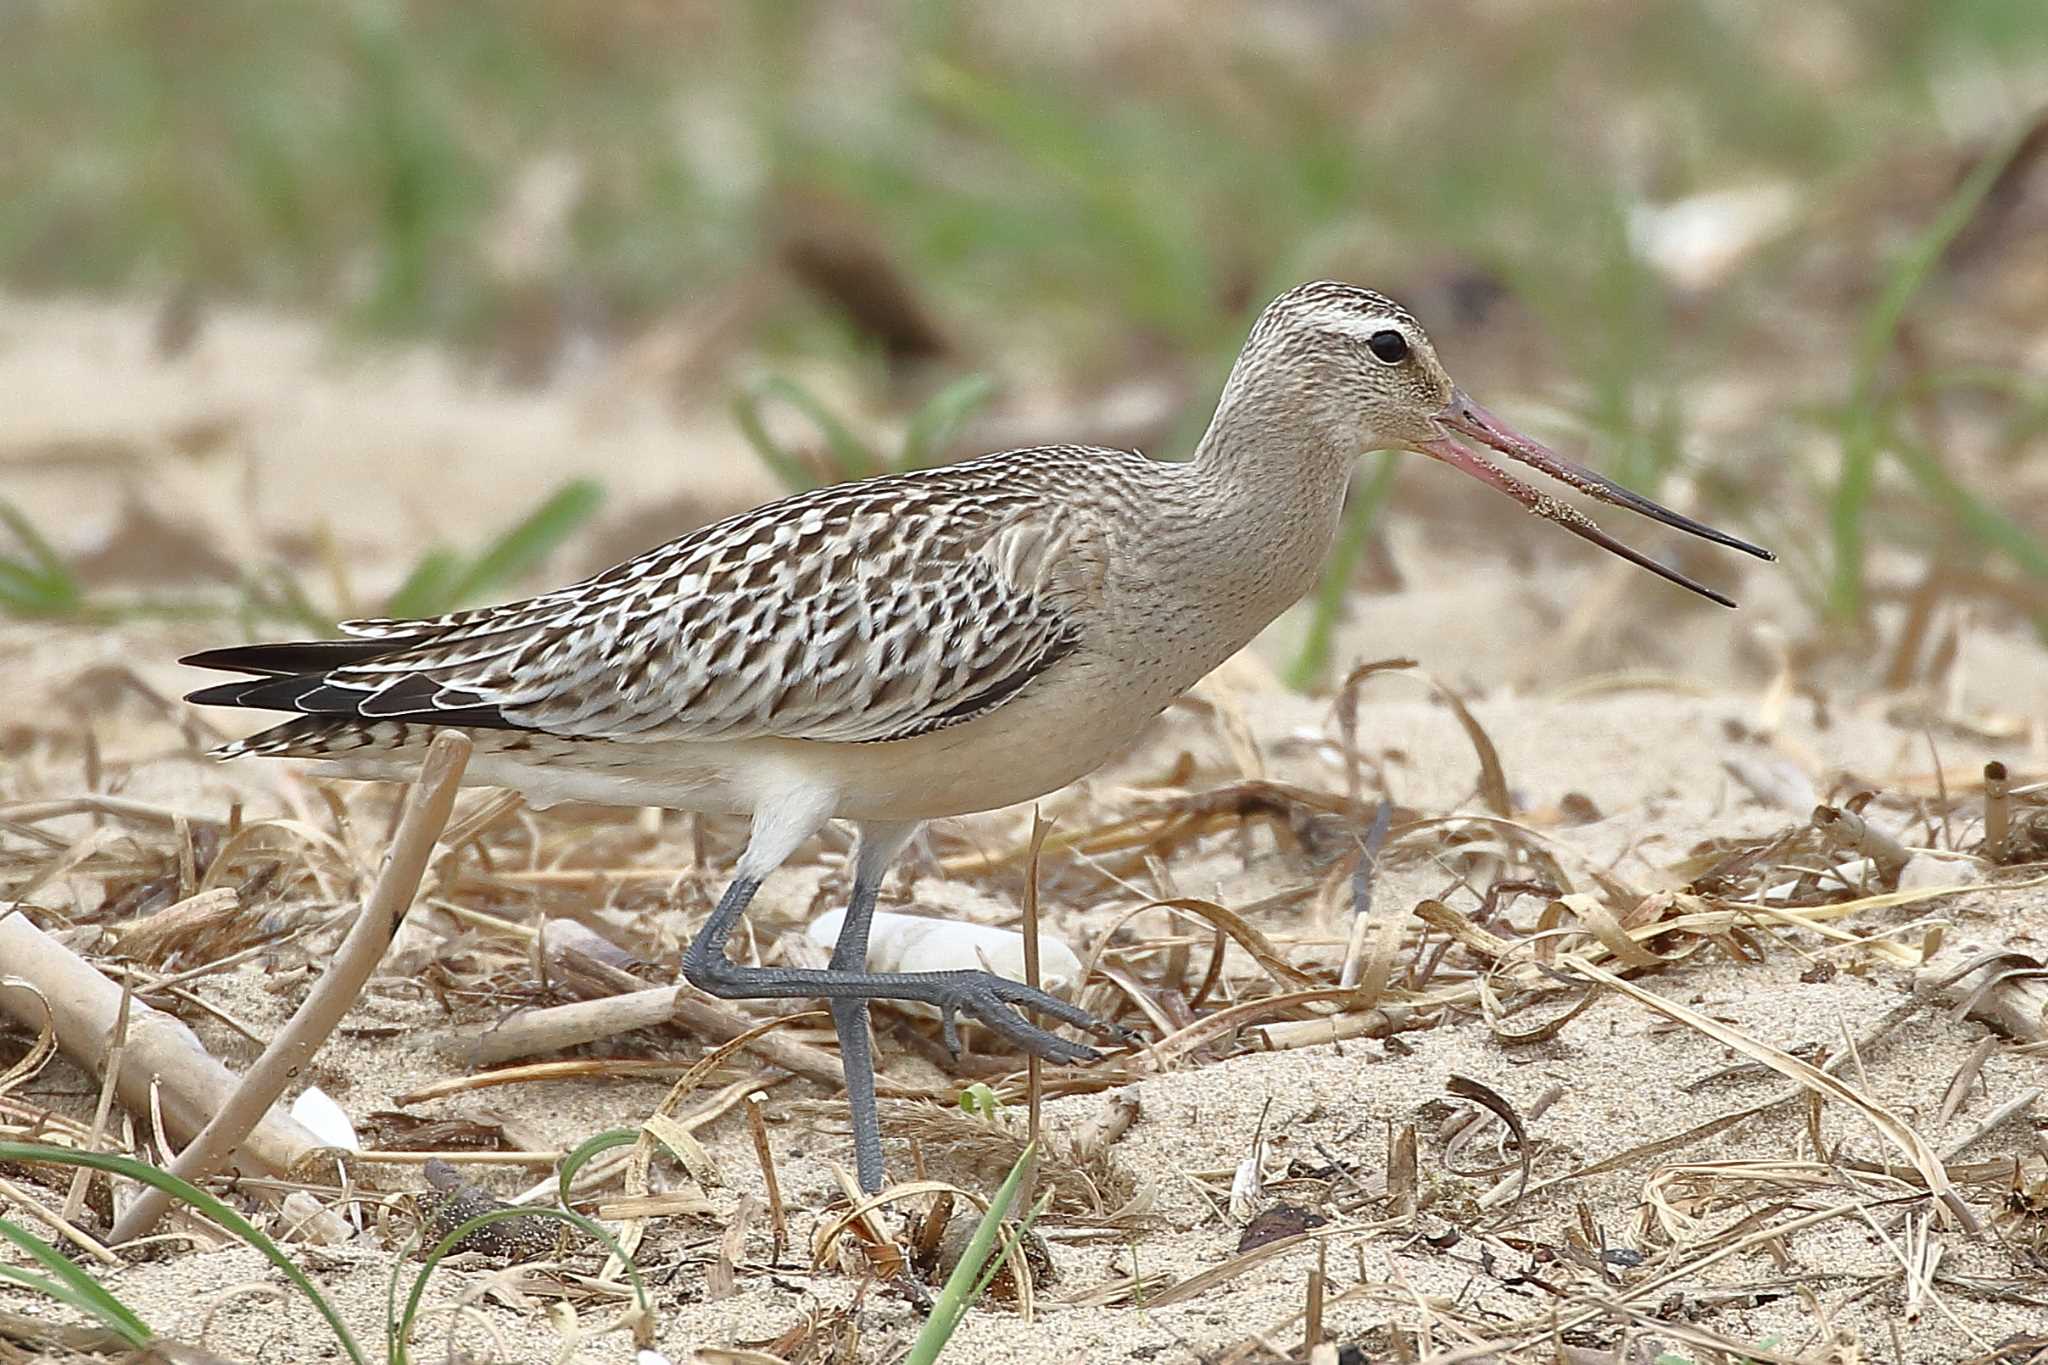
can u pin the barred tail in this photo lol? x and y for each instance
(322, 737)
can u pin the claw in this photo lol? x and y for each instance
(949, 1030)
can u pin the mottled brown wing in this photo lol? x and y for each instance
(861, 612)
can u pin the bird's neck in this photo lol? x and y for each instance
(1272, 470)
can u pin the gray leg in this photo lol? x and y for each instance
(992, 999)
(705, 962)
(850, 1020)
(847, 987)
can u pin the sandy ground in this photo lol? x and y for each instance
(1615, 708)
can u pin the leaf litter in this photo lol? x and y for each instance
(1524, 934)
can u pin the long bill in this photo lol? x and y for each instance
(1466, 418)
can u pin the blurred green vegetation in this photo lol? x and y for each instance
(37, 583)
(846, 454)
(347, 157)
(446, 579)
(1119, 197)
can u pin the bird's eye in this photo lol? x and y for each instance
(1389, 346)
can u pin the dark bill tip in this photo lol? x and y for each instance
(1467, 418)
(1563, 513)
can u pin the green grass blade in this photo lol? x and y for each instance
(72, 1285)
(934, 425)
(783, 462)
(849, 456)
(58, 1292)
(578, 1159)
(425, 590)
(42, 584)
(49, 562)
(1010, 1246)
(523, 547)
(272, 593)
(1313, 658)
(963, 1286)
(49, 1289)
(1983, 522)
(399, 1324)
(199, 1201)
(25, 592)
(1862, 430)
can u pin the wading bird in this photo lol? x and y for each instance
(918, 645)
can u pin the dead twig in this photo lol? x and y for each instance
(759, 1127)
(1845, 827)
(1997, 809)
(164, 1064)
(425, 816)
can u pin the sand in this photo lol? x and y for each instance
(1615, 708)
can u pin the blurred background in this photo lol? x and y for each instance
(321, 309)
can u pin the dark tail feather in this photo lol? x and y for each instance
(293, 677)
(311, 694)
(293, 658)
(263, 694)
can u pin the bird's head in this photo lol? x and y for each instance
(1363, 364)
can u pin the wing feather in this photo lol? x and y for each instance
(868, 611)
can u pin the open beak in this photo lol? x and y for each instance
(1467, 418)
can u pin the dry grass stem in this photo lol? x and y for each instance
(425, 816)
(758, 1126)
(1819, 1082)
(2012, 996)
(81, 1179)
(1966, 1076)
(558, 1027)
(65, 1227)
(662, 1126)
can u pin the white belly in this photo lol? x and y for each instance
(1047, 736)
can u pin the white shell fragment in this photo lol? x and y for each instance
(1930, 871)
(1248, 1184)
(329, 1122)
(919, 943)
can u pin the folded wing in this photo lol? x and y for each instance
(861, 612)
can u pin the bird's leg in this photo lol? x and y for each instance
(850, 1020)
(705, 964)
(996, 1001)
(984, 995)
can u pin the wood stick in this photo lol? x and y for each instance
(1845, 828)
(1997, 809)
(587, 1021)
(159, 1053)
(1293, 1033)
(536, 1032)
(585, 960)
(419, 827)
